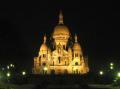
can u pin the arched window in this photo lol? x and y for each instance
(59, 59)
(43, 55)
(76, 55)
(53, 71)
(80, 56)
(63, 46)
(53, 63)
(72, 54)
(76, 63)
(66, 72)
(44, 64)
(39, 60)
(65, 63)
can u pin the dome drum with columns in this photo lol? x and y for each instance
(60, 60)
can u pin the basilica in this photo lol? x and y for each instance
(61, 58)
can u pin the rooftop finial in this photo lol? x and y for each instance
(45, 38)
(60, 17)
(76, 38)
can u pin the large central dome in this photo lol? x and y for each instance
(61, 29)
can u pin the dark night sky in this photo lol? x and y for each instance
(22, 26)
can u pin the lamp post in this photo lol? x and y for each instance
(12, 65)
(101, 72)
(45, 70)
(8, 76)
(8, 67)
(118, 74)
(23, 73)
(111, 65)
(117, 77)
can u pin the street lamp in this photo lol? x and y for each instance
(45, 68)
(11, 65)
(111, 64)
(118, 74)
(101, 72)
(111, 67)
(8, 74)
(8, 67)
(23, 73)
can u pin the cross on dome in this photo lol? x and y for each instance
(45, 39)
(60, 17)
(76, 39)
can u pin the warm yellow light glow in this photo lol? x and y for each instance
(74, 68)
(64, 58)
(101, 72)
(8, 74)
(111, 64)
(23, 73)
(111, 67)
(8, 67)
(45, 68)
(11, 65)
(118, 74)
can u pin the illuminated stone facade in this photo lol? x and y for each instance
(60, 59)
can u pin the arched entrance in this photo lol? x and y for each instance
(59, 71)
(65, 71)
(53, 71)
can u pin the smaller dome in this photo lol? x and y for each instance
(77, 46)
(43, 47)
